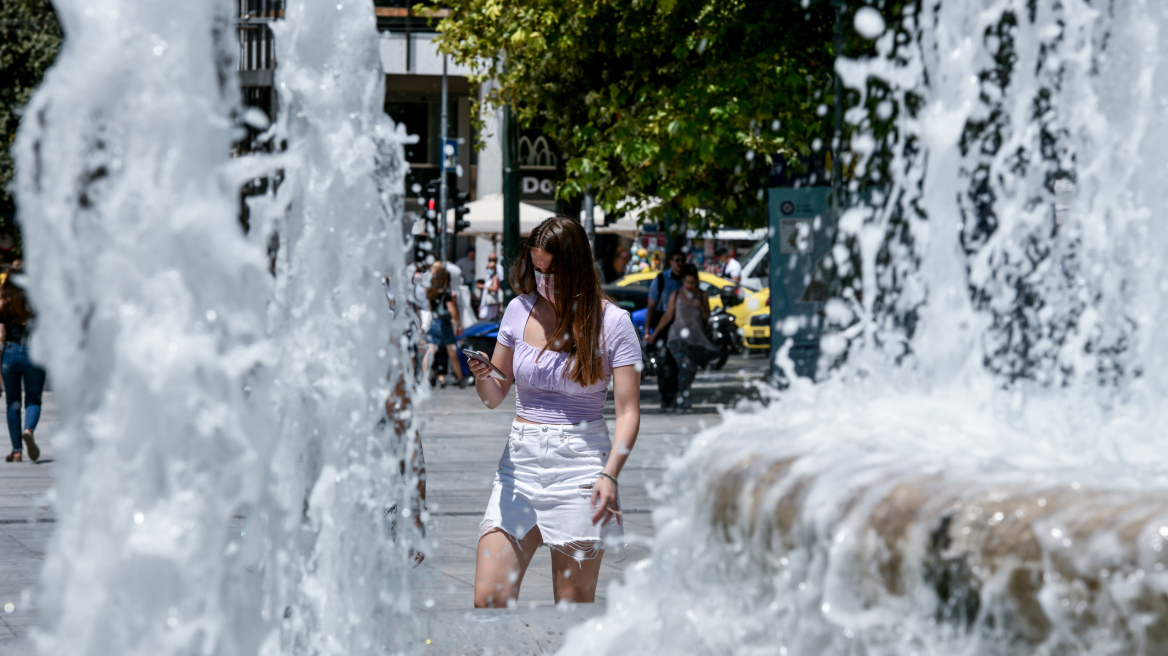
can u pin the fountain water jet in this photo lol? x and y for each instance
(193, 386)
(986, 471)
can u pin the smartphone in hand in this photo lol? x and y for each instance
(482, 357)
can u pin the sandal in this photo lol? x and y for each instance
(34, 451)
(15, 456)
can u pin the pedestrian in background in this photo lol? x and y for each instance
(491, 302)
(17, 370)
(466, 266)
(731, 268)
(444, 324)
(660, 291)
(620, 263)
(689, 309)
(560, 343)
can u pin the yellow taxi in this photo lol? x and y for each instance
(712, 285)
(757, 332)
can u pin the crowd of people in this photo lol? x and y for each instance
(675, 323)
(446, 305)
(642, 259)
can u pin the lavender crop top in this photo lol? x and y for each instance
(543, 392)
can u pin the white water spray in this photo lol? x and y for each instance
(1010, 348)
(193, 386)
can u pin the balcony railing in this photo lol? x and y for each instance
(257, 47)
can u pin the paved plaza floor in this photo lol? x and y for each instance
(462, 442)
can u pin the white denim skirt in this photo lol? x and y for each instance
(545, 479)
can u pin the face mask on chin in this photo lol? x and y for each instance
(546, 286)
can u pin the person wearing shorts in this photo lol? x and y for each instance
(560, 343)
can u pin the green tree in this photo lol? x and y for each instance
(688, 101)
(30, 37)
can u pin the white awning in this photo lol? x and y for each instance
(486, 217)
(729, 235)
(626, 225)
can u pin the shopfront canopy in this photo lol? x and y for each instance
(486, 217)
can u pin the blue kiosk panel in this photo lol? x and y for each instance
(802, 233)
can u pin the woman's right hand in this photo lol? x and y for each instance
(478, 369)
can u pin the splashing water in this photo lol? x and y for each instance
(194, 385)
(1004, 347)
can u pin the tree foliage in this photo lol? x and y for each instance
(30, 37)
(688, 101)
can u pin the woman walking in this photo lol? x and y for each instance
(560, 343)
(444, 326)
(17, 370)
(686, 316)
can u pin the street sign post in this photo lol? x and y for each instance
(802, 233)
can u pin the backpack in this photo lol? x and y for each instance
(660, 280)
(442, 312)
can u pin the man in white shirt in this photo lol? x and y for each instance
(730, 267)
(466, 264)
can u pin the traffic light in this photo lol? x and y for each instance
(425, 244)
(460, 211)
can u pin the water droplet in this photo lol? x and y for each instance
(869, 23)
(9, 607)
(139, 518)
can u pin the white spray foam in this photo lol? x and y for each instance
(1052, 373)
(193, 387)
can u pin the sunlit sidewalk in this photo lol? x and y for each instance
(462, 442)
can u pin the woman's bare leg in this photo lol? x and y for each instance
(455, 363)
(428, 360)
(574, 579)
(500, 565)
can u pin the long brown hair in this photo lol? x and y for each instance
(439, 283)
(579, 302)
(13, 303)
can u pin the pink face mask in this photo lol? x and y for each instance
(546, 286)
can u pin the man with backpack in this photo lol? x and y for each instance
(660, 291)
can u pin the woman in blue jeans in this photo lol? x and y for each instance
(17, 370)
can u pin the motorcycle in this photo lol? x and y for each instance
(723, 332)
(720, 328)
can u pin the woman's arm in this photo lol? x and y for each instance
(452, 305)
(665, 318)
(626, 384)
(492, 390)
(704, 305)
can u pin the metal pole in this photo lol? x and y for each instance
(443, 240)
(590, 221)
(510, 196)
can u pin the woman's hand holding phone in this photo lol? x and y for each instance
(481, 367)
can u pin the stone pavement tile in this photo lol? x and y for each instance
(34, 539)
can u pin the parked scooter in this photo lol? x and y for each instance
(720, 328)
(723, 332)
